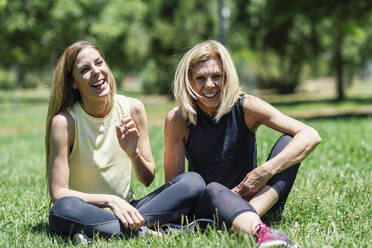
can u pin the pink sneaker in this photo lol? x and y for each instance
(270, 237)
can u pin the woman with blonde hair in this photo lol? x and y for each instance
(94, 138)
(214, 127)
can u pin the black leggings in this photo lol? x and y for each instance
(168, 203)
(229, 206)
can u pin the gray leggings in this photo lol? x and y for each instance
(168, 203)
(229, 206)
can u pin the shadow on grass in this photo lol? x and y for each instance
(339, 116)
(273, 217)
(329, 109)
(330, 101)
(43, 229)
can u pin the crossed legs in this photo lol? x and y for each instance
(244, 216)
(168, 203)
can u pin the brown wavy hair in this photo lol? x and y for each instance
(63, 96)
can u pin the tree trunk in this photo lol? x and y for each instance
(20, 77)
(222, 22)
(339, 61)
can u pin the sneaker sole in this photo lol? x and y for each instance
(274, 243)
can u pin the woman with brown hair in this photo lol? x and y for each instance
(94, 138)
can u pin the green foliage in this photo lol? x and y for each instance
(270, 41)
(6, 79)
(122, 32)
(299, 33)
(175, 27)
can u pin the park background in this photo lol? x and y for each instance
(310, 59)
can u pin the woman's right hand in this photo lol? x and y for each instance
(126, 213)
(128, 135)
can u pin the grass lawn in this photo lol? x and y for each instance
(329, 205)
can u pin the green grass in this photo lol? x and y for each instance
(329, 205)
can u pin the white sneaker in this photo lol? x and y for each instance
(81, 239)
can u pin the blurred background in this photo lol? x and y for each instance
(292, 51)
(311, 59)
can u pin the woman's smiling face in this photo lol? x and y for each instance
(90, 74)
(207, 80)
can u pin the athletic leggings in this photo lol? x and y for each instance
(229, 206)
(168, 203)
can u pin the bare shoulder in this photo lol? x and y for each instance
(62, 120)
(174, 117)
(257, 107)
(255, 111)
(63, 127)
(175, 125)
(252, 103)
(136, 106)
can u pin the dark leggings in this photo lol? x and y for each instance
(168, 203)
(229, 206)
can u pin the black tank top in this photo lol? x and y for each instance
(222, 152)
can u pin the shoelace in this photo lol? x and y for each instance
(260, 230)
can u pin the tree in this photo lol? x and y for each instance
(147, 38)
(346, 16)
(123, 35)
(288, 36)
(175, 26)
(21, 36)
(282, 35)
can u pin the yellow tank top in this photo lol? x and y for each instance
(97, 163)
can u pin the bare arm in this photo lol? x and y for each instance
(134, 139)
(257, 112)
(175, 133)
(61, 140)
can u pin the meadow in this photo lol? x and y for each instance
(330, 204)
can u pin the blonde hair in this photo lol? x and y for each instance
(63, 96)
(185, 94)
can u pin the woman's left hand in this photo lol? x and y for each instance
(252, 183)
(128, 135)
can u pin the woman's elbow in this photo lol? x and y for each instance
(315, 137)
(149, 181)
(54, 196)
(149, 178)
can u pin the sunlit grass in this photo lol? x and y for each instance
(328, 207)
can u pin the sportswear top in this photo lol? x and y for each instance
(97, 163)
(222, 152)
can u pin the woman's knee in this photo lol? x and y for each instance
(194, 184)
(61, 215)
(214, 189)
(285, 139)
(279, 145)
(65, 205)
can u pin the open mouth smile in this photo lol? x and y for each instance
(210, 95)
(99, 83)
